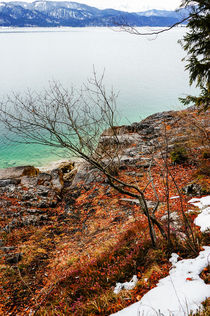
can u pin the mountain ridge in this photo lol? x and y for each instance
(73, 14)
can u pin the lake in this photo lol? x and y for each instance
(147, 72)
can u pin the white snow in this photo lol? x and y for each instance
(203, 219)
(202, 202)
(182, 291)
(178, 294)
(126, 285)
(175, 197)
(174, 258)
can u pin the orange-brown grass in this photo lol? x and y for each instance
(71, 264)
(87, 287)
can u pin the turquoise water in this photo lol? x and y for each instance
(147, 73)
(24, 154)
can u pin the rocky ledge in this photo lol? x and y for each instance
(28, 197)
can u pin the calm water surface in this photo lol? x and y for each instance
(147, 72)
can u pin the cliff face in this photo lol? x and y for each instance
(48, 218)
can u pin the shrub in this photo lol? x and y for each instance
(178, 155)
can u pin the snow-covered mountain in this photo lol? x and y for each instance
(65, 13)
(180, 14)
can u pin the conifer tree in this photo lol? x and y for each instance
(197, 45)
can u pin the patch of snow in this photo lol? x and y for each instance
(203, 219)
(202, 202)
(178, 294)
(193, 200)
(126, 286)
(182, 291)
(174, 258)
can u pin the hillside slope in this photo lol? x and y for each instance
(67, 237)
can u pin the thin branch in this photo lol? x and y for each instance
(125, 27)
(133, 30)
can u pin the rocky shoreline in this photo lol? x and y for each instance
(49, 216)
(35, 192)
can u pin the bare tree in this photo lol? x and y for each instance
(124, 26)
(74, 120)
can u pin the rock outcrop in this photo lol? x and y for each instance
(27, 194)
(18, 172)
(135, 144)
(28, 197)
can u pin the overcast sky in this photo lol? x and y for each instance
(128, 5)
